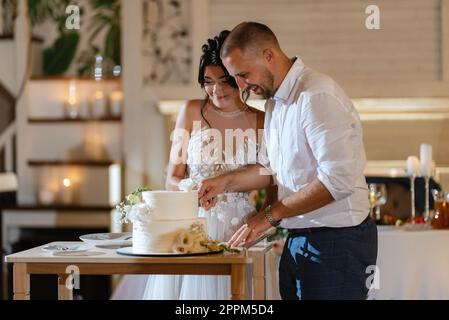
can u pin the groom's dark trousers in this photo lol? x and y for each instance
(328, 263)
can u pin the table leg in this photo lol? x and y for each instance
(259, 287)
(65, 291)
(241, 282)
(21, 282)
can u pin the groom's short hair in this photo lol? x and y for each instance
(249, 36)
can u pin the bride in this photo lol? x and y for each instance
(211, 149)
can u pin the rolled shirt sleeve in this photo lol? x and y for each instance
(335, 137)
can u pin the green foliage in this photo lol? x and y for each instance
(58, 57)
(280, 233)
(124, 207)
(86, 60)
(135, 196)
(112, 44)
(260, 199)
(41, 10)
(107, 19)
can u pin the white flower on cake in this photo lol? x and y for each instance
(126, 210)
(141, 213)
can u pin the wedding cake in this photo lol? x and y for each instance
(163, 223)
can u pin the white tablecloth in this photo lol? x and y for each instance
(412, 264)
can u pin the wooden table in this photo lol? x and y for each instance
(100, 261)
(65, 210)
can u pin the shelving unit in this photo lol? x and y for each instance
(71, 144)
(88, 163)
(58, 207)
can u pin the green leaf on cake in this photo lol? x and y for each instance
(135, 197)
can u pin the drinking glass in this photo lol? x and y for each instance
(377, 198)
(440, 219)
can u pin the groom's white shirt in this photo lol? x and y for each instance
(312, 130)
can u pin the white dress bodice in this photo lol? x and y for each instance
(204, 160)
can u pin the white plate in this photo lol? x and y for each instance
(108, 239)
(67, 248)
(128, 251)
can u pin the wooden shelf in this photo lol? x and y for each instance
(87, 163)
(57, 207)
(76, 78)
(9, 36)
(77, 120)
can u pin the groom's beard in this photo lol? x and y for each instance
(267, 85)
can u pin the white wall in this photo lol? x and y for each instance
(407, 57)
(144, 142)
(8, 65)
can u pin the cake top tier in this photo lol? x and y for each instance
(172, 205)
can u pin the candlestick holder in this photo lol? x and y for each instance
(412, 196)
(427, 216)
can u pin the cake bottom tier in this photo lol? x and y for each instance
(160, 236)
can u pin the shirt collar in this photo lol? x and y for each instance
(285, 89)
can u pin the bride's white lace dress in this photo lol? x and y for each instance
(223, 220)
(206, 157)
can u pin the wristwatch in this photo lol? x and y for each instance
(269, 217)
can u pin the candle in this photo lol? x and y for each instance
(426, 159)
(46, 196)
(66, 191)
(99, 105)
(116, 99)
(72, 101)
(413, 166)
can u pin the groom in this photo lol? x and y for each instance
(316, 156)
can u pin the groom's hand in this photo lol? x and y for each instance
(209, 189)
(250, 231)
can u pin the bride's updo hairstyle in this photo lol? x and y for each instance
(211, 56)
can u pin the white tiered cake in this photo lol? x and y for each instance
(172, 212)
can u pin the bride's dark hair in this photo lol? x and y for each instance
(211, 57)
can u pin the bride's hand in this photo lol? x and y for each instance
(209, 189)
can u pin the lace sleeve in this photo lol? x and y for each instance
(187, 184)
